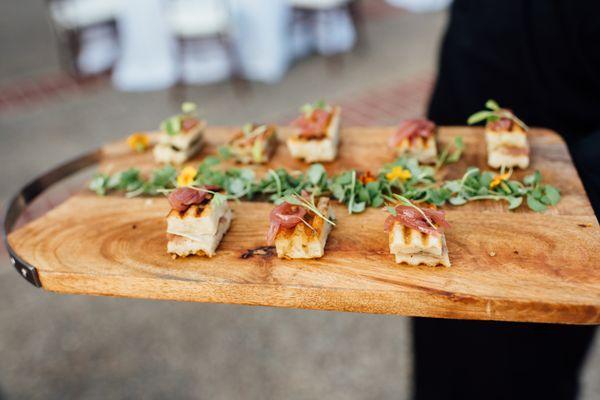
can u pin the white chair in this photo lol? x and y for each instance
(71, 18)
(318, 4)
(308, 19)
(205, 24)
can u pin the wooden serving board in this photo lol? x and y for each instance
(508, 266)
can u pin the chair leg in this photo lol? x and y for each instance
(355, 10)
(178, 91)
(240, 85)
(334, 62)
(72, 47)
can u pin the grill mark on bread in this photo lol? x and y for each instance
(424, 239)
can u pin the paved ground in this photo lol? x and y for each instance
(54, 346)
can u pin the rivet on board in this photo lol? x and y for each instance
(24, 272)
(13, 261)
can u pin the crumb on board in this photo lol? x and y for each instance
(492, 254)
(259, 251)
(585, 225)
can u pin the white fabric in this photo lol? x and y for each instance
(318, 4)
(99, 50)
(335, 32)
(82, 13)
(147, 59)
(330, 32)
(204, 62)
(197, 18)
(259, 29)
(262, 37)
(421, 6)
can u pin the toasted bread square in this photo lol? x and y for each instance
(181, 246)
(167, 154)
(423, 149)
(315, 150)
(303, 242)
(423, 259)
(410, 241)
(501, 156)
(197, 221)
(413, 247)
(184, 140)
(258, 152)
(516, 137)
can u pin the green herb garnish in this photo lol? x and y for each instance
(494, 113)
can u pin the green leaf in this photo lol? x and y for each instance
(306, 109)
(345, 178)
(482, 191)
(219, 199)
(338, 191)
(535, 204)
(453, 186)
(172, 125)
(358, 207)
(210, 161)
(514, 202)
(458, 149)
(492, 105)
(98, 184)
(315, 172)
(373, 188)
(188, 107)
(224, 152)
(391, 210)
(363, 195)
(533, 179)
(486, 178)
(377, 201)
(514, 187)
(479, 116)
(247, 129)
(438, 196)
(247, 174)
(553, 194)
(320, 104)
(457, 200)
(236, 186)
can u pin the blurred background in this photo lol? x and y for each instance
(78, 73)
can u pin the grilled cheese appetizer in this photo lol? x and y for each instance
(304, 236)
(415, 138)
(506, 144)
(181, 137)
(505, 136)
(318, 136)
(413, 247)
(254, 144)
(416, 236)
(197, 222)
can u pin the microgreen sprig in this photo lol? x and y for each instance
(494, 113)
(355, 189)
(310, 205)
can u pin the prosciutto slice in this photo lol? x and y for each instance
(503, 124)
(183, 198)
(313, 126)
(188, 124)
(411, 129)
(285, 215)
(412, 218)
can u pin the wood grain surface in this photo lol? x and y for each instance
(509, 266)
